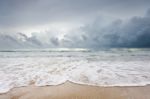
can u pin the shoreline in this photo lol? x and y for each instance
(69, 90)
(77, 83)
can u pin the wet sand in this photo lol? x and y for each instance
(70, 90)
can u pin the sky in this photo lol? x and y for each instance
(74, 23)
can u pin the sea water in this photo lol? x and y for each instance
(103, 67)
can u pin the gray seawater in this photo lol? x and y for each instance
(104, 67)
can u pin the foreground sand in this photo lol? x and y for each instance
(70, 90)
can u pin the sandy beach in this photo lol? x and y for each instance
(70, 90)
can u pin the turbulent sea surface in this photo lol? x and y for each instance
(105, 67)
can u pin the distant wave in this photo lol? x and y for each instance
(76, 50)
(49, 50)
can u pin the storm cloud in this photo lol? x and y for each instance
(74, 23)
(17, 41)
(134, 32)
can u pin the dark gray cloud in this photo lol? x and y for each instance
(134, 32)
(129, 28)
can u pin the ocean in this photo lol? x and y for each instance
(103, 67)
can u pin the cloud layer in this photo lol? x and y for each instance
(134, 32)
(74, 23)
(30, 13)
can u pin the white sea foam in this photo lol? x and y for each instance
(115, 67)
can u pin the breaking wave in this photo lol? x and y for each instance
(114, 67)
